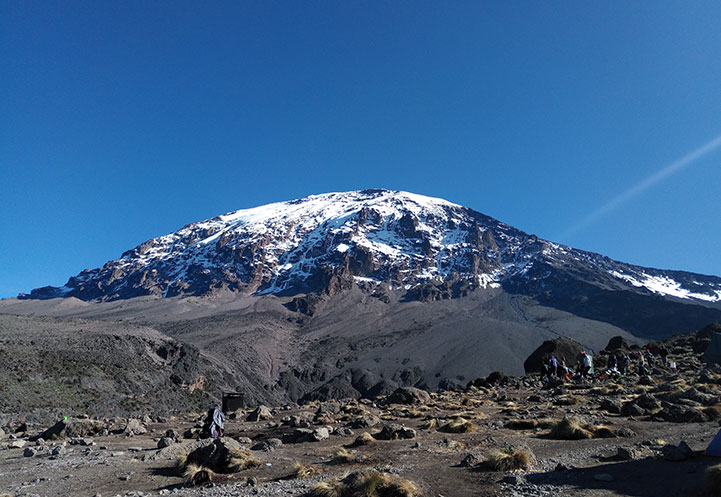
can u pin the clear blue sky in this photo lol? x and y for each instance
(122, 121)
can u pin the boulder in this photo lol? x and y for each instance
(408, 395)
(680, 414)
(134, 427)
(647, 401)
(616, 343)
(260, 413)
(71, 428)
(628, 453)
(564, 349)
(611, 405)
(470, 461)
(679, 452)
(365, 421)
(165, 442)
(395, 431)
(214, 454)
(268, 445)
(301, 420)
(301, 435)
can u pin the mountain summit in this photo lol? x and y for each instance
(381, 240)
(351, 294)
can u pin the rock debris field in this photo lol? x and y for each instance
(638, 435)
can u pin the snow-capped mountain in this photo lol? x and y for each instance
(380, 240)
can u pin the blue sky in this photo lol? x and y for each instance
(122, 121)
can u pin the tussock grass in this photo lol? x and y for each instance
(239, 460)
(567, 400)
(366, 483)
(234, 461)
(603, 432)
(301, 470)
(326, 489)
(194, 475)
(345, 456)
(364, 438)
(509, 460)
(431, 424)
(570, 429)
(460, 425)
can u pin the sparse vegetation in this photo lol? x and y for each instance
(301, 470)
(344, 456)
(366, 483)
(239, 460)
(570, 429)
(194, 475)
(509, 460)
(364, 438)
(460, 425)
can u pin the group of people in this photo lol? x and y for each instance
(618, 363)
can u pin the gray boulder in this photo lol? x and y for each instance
(260, 413)
(134, 427)
(408, 395)
(72, 428)
(395, 431)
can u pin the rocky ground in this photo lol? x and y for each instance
(636, 436)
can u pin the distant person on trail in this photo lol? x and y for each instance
(613, 362)
(641, 364)
(624, 362)
(586, 364)
(213, 425)
(553, 366)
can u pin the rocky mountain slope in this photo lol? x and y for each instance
(429, 248)
(352, 294)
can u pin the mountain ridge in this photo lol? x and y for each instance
(428, 247)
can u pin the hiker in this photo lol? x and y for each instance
(213, 425)
(586, 364)
(641, 364)
(566, 371)
(553, 366)
(613, 362)
(649, 358)
(624, 363)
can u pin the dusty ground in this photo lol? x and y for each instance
(117, 464)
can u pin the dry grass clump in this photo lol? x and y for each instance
(603, 432)
(711, 388)
(345, 456)
(194, 475)
(567, 400)
(233, 461)
(468, 415)
(238, 460)
(522, 424)
(431, 424)
(570, 429)
(364, 438)
(301, 470)
(612, 389)
(366, 483)
(460, 425)
(509, 460)
(712, 483)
